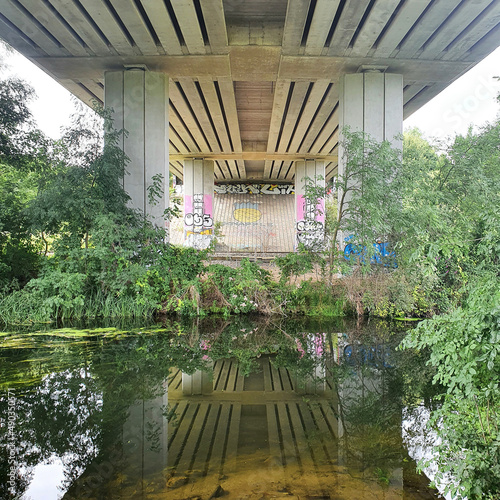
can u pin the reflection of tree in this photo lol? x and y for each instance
(57, 409)
(60, 416)
(76, 414)
(74, 397)
(374, 385)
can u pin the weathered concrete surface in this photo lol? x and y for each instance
(251, 76)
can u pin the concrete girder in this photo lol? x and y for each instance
(220, 54)
(376, 20)
(102, 14)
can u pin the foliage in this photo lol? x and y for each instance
(450, 218)
(451, 249)
(316, 298)
(242, 289)
(368, 190)
(19, 254)
(380, 292)
(86, 183)
(23, 151)
(365, 208)
(464, 348)
(21, 144)
(295, 264)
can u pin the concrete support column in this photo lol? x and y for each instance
(371, 102)
(139, 100)
(310, 212)
(198, 203)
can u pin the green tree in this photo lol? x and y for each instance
(452, 242)
(369, 198)
(85, 182)
(449, 229)
(464, 350)
(23, 152)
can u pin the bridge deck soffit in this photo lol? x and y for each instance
(254, 83)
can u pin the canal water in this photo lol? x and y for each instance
(245, 408)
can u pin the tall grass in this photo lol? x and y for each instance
(24, 308)
(318, 299)
(20, 308)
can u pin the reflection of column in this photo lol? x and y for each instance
(198, 203)
(145, 435)
(369, 427)
(310, 211)
(139, 101)
(315, 381)
(200, 382)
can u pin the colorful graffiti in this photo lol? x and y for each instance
(254, 189)
(382, 254)
(247, 212)
(310, 222)
(198, 221)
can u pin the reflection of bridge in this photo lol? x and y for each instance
(259, 434)
(236, 425)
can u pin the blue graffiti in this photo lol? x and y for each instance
(382, 255)
(377, 356)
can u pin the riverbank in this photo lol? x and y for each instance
(297, 284)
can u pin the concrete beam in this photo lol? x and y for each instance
(316, 68)
(253, 63)
(254, 156)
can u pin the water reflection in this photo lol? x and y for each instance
(243, 409)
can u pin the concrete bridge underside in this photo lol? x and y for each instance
(252, 88)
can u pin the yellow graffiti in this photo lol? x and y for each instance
(206, 232)
(247, 214)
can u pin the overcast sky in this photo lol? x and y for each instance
(471, 100)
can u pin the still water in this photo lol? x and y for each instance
(249, 409)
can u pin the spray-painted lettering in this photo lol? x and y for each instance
(254, 189)
(198, 225)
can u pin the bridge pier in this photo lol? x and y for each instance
(370, 102)
(199, 382)
(139, 102)
(198, 203)
(310, 210)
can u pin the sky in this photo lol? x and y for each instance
(470, 100)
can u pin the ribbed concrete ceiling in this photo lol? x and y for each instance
(254, 83)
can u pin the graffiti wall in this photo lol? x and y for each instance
(310, 222)
(254, 189)
(254, 223)
(198, 221)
